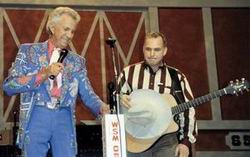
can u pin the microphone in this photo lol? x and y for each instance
(111, 42)
(63, 54)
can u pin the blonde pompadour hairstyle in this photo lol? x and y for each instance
(56, 14)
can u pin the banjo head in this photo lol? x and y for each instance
(149, 115)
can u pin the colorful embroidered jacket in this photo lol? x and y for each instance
(31, 59)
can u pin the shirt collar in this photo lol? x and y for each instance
(51, 47)
(146, 66)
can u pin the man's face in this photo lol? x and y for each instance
(63, 31)
(154, 51)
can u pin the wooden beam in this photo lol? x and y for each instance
(127, 3)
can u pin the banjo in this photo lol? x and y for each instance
(142, 117)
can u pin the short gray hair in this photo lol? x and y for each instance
(56, 14)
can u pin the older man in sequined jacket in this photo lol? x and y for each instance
(47, 106)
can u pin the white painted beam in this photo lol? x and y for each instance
(131, 3)
(223, 124)
(211, 60)
(1, 67)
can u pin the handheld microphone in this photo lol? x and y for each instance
(110, 41)
(63, 54)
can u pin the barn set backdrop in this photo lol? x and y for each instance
(208, 40)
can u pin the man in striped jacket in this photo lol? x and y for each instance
(153, 73)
